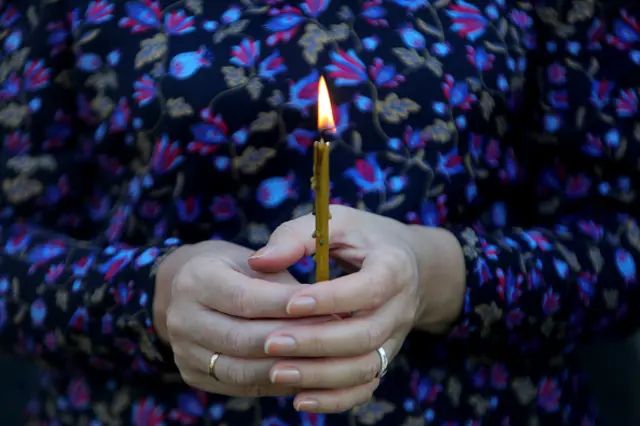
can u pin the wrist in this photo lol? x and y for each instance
(442, 276)
(168, 267)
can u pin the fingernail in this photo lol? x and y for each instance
(285, 376)
(280, 345)
(304, 305)
(308, 405)
(264, 251)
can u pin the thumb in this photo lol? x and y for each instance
(289, 243)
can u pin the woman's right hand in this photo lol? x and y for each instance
(208, 300)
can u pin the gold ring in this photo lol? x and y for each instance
(212, 365)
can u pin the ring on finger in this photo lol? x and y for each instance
(212, 365)
(384, 362)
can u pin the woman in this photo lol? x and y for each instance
(483, 179)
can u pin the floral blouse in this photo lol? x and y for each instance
(129, 127)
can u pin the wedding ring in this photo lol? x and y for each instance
(384, 361)
(212, 365)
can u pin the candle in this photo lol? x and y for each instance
(320, 182)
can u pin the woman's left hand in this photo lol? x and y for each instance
(398, 285)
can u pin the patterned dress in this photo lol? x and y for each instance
(129, 127)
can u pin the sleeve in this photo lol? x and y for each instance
(62, 299)
(555, 261)
(551, 284)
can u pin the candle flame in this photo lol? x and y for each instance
(325, 111)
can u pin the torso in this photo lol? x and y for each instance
(213, 106)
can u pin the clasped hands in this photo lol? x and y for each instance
(278, 337)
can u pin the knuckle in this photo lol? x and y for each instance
(317, 344)
(332, 302)
(377, 288)
(183, 284)
(408, 316)
(288, 228)
(179, 362)
(179, 355)
(311, 376)
(185, 287)
(338, 405)
(187, 377)
(194, 273)
(368, 372)
(200, 335)
(293, 231)
(261, 391)
(373, 337)
(375, 283)
(395, 270)
(235, 342)
(256, 391)
(236, 375)
(190, 272)
(174, 323)
(407, 267)
(243, 302)
(365, 398)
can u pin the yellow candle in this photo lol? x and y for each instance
(320, 182)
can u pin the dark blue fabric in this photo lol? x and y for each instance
(132, 127)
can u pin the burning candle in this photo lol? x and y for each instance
(320, 181)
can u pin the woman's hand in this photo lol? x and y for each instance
(209, 301)
(406, 277)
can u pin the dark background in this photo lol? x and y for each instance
(615, 371)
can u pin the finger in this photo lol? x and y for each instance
(226, 334)
(233, 377)
(244, 371)
(216, 285)
(208, 384)
(349, 337)
(289, 243)
(283, 277)
(384, 273)
(196, 378)
(327, 373)
(294, 239)
(228, 370)
(333, 373)
(334, 400)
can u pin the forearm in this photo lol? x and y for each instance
(441, 264)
